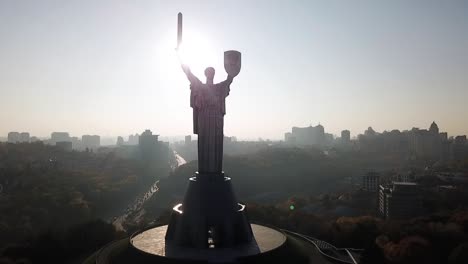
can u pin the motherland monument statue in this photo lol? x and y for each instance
(210, 225)
(209, 214)
(209, 107)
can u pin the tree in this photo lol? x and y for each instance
(459, 255)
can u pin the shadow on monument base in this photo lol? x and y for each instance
(210, 216)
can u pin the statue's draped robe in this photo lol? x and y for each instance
(208, 103)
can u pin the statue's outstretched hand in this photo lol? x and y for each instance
(192, 78)
(185, 68)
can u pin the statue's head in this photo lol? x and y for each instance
(209, 73)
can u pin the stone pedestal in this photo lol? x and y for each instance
(210, 216)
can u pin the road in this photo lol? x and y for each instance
(138, 203)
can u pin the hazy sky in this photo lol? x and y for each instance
(109, 67)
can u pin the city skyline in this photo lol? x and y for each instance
(110, 140)
(109, 67)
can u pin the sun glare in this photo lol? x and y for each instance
(197, 52)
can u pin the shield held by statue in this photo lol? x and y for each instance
(232, 62)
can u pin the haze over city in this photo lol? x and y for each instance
(109, 67)
(236, 132)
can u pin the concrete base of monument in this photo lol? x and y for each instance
(209, 215)
(152, 242)
(272, 246)
(210, 226)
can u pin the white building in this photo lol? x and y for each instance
(14, 137)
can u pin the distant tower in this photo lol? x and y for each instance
(147, 138)
(320, 129)
(434, 128)
(133, 139)
(345, 136)
(148, 143)
(188, 140)
(320, 135)
(24, 137)
(120, 141)
(59, 137)
(14, 137)
(369, 132)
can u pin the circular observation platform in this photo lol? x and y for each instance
(273, 246)
(152, 242)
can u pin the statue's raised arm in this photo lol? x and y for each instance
(190, 76)
(228, 81)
